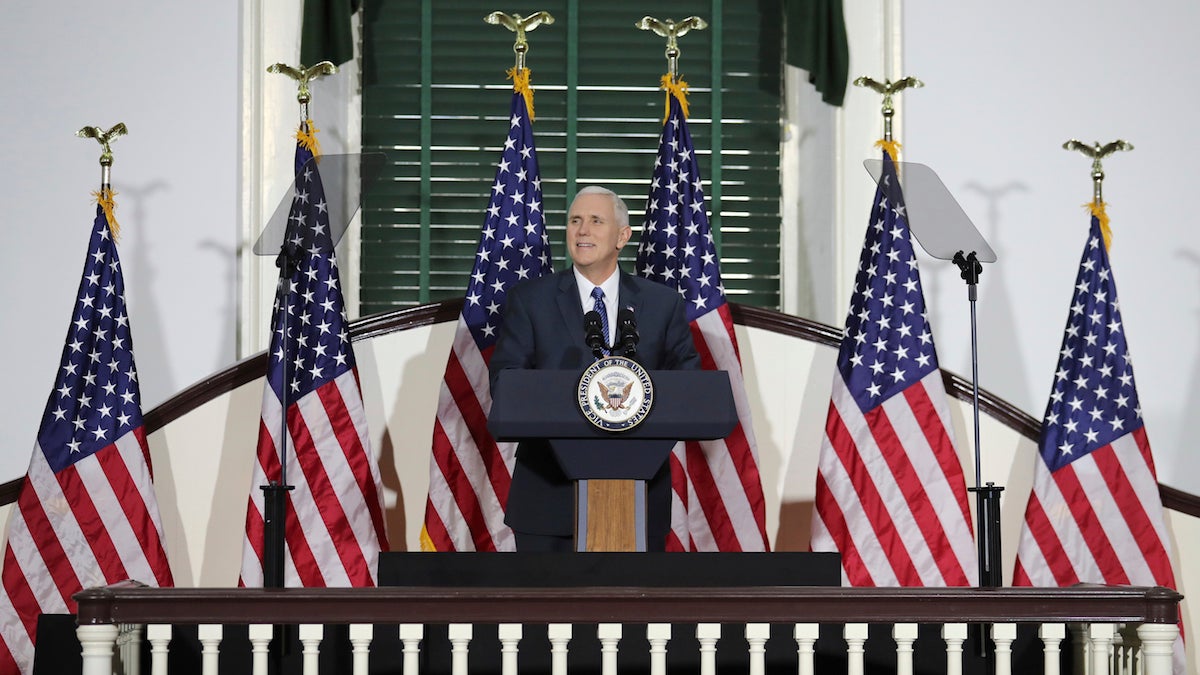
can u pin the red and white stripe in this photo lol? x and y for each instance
(717, 502)
(470, 472)
(1098, 519)
(890, 491)
(94, 523)
(334, 515)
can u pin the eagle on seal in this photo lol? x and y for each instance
(617, 395)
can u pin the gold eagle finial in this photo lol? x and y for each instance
(519, 25)
(303, 76)
(1097, 152)
(105, 138)
(887, 88)
(672, 31)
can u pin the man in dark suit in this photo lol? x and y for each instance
(543, 328)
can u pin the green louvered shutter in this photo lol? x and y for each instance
(435, 100)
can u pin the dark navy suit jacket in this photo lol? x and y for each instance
(543, 328)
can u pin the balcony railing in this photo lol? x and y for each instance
(1122, 629)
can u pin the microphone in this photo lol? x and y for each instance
(593, 333)
(627, 325)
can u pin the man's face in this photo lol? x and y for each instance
(594, 238)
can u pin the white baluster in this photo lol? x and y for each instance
(757, 635)
(658, 635)
(954, 634)
(209, 635)
(1132, 650)
(560, 635)
(410, 635)
(129, 637)
(609, 635)
(1052, 635)
(96, 641)
(159, 635)
(806, 637)
(1158, 647)
(1003, 635)
(905, 634)
(1080, 647)
(361, 635)
(856, 637)
(260, 635)
(1117, 654)
(510, 637)
(310, 639)
(460, 639)
(707, 634)
(1100, 636)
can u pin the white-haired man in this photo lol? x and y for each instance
(543, 328)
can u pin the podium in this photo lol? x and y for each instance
(610, 468)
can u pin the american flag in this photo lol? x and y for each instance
(86, 515)
(890, 492)
(717, 502)
(469, 472)
(334, 518)
(1095, 515)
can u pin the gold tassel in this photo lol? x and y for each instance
(307, 136)
(678, 88)
(521, 86)
(1097, 210)
(427, 542)
(105, 199)
(892, 148)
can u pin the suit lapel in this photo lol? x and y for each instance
(630, 296)
(568, 306)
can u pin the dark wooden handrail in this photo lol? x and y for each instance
(253, 367)
(132, 603)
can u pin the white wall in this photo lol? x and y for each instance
(170, 72)
(1006, 85)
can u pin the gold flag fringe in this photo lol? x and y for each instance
(521, 86)
(105, 199)
(306, 135)
(427, 542)
(892, 148)
(678, 89)
(1097, 210)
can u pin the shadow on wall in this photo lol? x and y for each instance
(1182, 469)
(393, 495)
(146, 318)
(998, 315)
(799, 484)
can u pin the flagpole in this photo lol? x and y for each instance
(275, 492)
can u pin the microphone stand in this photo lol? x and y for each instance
(987, 498)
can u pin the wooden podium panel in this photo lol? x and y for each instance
(611, 515)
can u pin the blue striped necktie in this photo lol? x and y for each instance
(598, 295)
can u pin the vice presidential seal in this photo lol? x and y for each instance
(615, 393)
